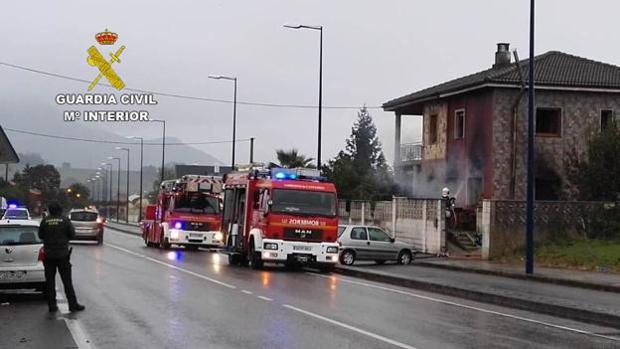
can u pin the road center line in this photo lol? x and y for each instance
(349, 327)
(265, 298)
(246, 291)
(75, 328)
(438, 300)
(172, 266)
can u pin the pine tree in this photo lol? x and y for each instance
(360, 171)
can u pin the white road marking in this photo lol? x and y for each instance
(443, 301)
(352, 328)
(246, 291)
(75, 327)
(265, 298)
(172, 266)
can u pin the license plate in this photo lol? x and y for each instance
(194, 235)
(12, 275)
(302, 248)
(303, 259)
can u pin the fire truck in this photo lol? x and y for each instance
(187, 213)
(286, 216)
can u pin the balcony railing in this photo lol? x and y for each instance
(411, 151)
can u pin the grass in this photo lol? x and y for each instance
(598, 255)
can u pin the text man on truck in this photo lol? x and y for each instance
(187, 213)
(286, 216)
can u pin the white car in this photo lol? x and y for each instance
(16, 213)
(21, 256)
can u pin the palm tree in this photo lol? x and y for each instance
(292, 159)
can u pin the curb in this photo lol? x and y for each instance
(581, 315)
(123, 230)
(537, 278)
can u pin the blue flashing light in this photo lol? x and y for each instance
(12, 205)
(178, 225)
(280, 175)
(292, 176)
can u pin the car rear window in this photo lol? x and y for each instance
(83, 216)
(19, 235)
(16, 214)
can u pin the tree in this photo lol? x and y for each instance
(77, 195)
(292, 159)
(360, 171)
(597, 175)
(169, 173)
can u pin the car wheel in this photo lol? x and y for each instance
(404, 257)
(255, 258)
(347, 257)
(380, 261)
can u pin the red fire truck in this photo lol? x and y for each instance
(187, 213)
(280, 215)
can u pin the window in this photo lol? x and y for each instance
(459, 124)
(304, 202)
(84, 216)
(607, 118)
(196, 203)
(341, 230)
(359, 234)
(432, 129)
(19, 235)
(377, 234)
(549, 122)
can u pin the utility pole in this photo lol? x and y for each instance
(529, 240)
(251, 150)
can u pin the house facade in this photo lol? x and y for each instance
(474, 137)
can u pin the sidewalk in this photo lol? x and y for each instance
(601, 281)
(598, 307)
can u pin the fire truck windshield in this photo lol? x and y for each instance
(304, 202)
(196, 203)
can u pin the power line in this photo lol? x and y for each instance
(113, 142)
(181, 96)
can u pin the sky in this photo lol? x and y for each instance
(373, 51)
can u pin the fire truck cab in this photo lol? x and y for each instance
(286, 216)
(187, 213)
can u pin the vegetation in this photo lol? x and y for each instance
(169, 173)
(37, 185)
(360, 171)
(292, 159)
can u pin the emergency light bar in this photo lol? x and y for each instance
(296, 173)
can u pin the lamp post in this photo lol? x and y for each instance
(109, 187)
(529, 227)
(118, 184)
(127, 193)
(163, 146)
(141, 161)
(234, 131)
(320, 29)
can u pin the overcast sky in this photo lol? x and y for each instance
(373, 51)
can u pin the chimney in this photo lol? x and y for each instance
(502, 56)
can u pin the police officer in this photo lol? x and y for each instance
(56, 231)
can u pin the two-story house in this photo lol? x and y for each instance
(475, 127)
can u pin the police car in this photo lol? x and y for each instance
(21, 256)
(16, 213)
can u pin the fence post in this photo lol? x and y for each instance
(394, 212)
(363, 212)
(425, 227)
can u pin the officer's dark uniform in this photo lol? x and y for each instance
(56, 231)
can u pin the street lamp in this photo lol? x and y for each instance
(320, 29)
(127, 193)
(141, 159)
(234, 131)
(109, 187)
(118, 184)
(163, 146)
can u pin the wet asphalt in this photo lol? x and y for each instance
(139, 297)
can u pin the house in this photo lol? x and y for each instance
(475, 127)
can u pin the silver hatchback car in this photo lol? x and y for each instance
(363, 242)
(88, 225)
(21, 256)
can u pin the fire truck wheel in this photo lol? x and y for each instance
(163, 244)
(255, 258)
(233, 259)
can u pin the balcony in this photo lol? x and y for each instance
(411, 152)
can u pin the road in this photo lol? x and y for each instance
(140, 297)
